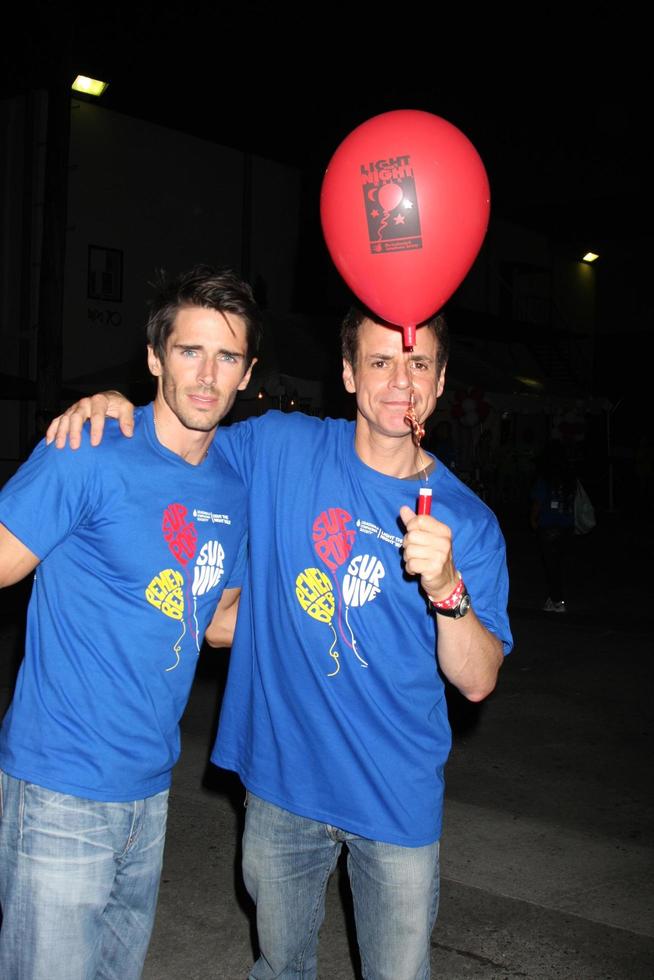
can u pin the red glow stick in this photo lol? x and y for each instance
(424, 500)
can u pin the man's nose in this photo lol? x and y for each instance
(207, 372)
(401, 375)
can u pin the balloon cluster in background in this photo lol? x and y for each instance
(469, 407)
(569, 426)
(404, 206)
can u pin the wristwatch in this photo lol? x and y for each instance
(456, 604)
(457, 611)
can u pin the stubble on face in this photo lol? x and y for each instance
(204, 367)
(184, 404)
(387, 379)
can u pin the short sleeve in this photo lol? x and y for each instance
(243, 443)
(51, 494)
(237, 444)
(482, 563)
(235, 580)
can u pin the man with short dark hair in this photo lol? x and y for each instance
(140, 546)
(334, 714)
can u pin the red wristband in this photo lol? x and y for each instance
(452, 599)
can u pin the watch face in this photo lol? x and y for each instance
(464, 605)
(458, 611)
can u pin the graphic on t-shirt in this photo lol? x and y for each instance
(361, 583)
(207, 515)
(367, 527)
(180, 535)
(333, 541)
(315, 594)
(166, 591)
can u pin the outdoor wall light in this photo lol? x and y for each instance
(89, 86)
(528, 382)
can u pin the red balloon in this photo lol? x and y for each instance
(405, 265)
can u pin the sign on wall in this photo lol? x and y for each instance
(105, 274)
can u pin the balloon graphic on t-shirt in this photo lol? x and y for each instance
(208, 570)
(361, 585)
(315, 594)
(180, 534)
(181, 537)
(176, 593)
(333, 540)
(165, 592)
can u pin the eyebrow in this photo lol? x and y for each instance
(389, 356)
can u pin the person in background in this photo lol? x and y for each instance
(552, 518)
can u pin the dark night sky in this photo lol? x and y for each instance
(554, 96)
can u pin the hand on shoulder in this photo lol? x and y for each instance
(67, 428)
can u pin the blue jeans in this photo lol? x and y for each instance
(78, 883)
(287, 862)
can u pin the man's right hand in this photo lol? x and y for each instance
(96, 408)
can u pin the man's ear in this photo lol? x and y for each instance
(348, 377)
(154, 363)
(245, 380)
(440, 384)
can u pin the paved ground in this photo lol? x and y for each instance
(547, 855)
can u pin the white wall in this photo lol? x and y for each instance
(166, 200)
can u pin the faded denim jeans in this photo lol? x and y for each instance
(78, 883)
(287, 862)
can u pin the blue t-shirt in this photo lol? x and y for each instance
(334, 707)
(136, 546)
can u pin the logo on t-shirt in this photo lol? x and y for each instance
(174, 592)
(202, 516)
(329, 600)
(366, 527)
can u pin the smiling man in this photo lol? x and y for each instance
(334, 714)
(353, 609)
(140, 545)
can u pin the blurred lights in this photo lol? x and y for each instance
(89, 86)
(590, 257)
(529, 382)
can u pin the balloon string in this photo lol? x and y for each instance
(354, 642)
(178, 647)
(340, 609)
(195, 620)
(334, 653)
(423, 463)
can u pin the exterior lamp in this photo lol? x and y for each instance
(89, 86)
